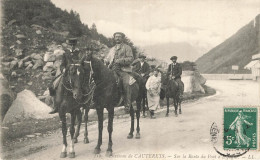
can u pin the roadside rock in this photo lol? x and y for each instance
(19, 53)
(13, 64)
(27, 106)
(20, 36)
(37, 56)
(38, 63)
(29, 66)
(38, 32)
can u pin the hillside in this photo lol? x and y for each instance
(183, 50)
(236, 50)
(32, 31)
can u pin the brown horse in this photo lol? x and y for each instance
(72, 93)
(172, 91)
(107, 95)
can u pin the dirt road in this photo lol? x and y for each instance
(166, 137)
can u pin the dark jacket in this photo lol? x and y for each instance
(145, 69)
(175, 70)
(68, 56)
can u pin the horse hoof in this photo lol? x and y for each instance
(75, 140)
(86, 140)
(97, 150)
(109, 153)
(63, 154)
(137, 136)
(130, 136)
(167, 115)
(72, 155)
(180, 111)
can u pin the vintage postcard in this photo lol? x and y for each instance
(130, 79)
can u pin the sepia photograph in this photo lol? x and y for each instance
(130, 79)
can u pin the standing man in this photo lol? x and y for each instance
(71, 53)
(119, 60)
(174, 72)
(142, 67)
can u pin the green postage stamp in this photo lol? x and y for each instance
(240, 128)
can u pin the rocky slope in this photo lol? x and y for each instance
(236, 50)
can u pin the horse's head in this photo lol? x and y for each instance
(76, 77)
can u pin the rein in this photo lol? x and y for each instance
(90, 93)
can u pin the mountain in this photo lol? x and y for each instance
(236, 50)
(183, 50)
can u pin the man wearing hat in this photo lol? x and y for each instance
(174, 72)
(119, 60)
(142, 67)
(71, 53)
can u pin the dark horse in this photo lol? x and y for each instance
(172, 91)
(107, 95)
(73, 92)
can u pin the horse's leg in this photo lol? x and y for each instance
(79, 118)
(72, 131)
(137, 136)
(132, 114)
(62, 116)
(143, 104)
(86, 140)
(168, 103)
(175, 99)
(110, 130)
(100, 130)
(179, 102)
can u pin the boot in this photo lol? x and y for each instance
(152, 114)
(52, 91)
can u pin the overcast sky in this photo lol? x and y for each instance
(146, 22)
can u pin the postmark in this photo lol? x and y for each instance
(240, 128)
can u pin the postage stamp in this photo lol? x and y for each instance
(241, 128)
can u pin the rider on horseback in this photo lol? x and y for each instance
(71, 53)
(119, 59)
(174, 72)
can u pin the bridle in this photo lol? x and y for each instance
(90, 84)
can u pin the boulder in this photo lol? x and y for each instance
(27, 106)
(37, 56)
(52, 58)
(46, 56)
(27, 58)
(20, 64)
(32, 55)
(13, 64)
(19, 53)
(20, 36)
(29, 66)
(192, 81)
(38, 32)
(27, 63)
(13, 74)
(8, 59)
(38, 63)
(18, 42)
(7, 96)
(11, 22)
(6, 64)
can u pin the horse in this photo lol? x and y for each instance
(107, 95)
(172, 91)
(69, 97)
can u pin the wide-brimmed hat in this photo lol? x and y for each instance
(173, 57)
(72, 41)
(142, 56)
(122, 34)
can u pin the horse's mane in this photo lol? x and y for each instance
(104, 72)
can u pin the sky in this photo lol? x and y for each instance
(203, 23)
